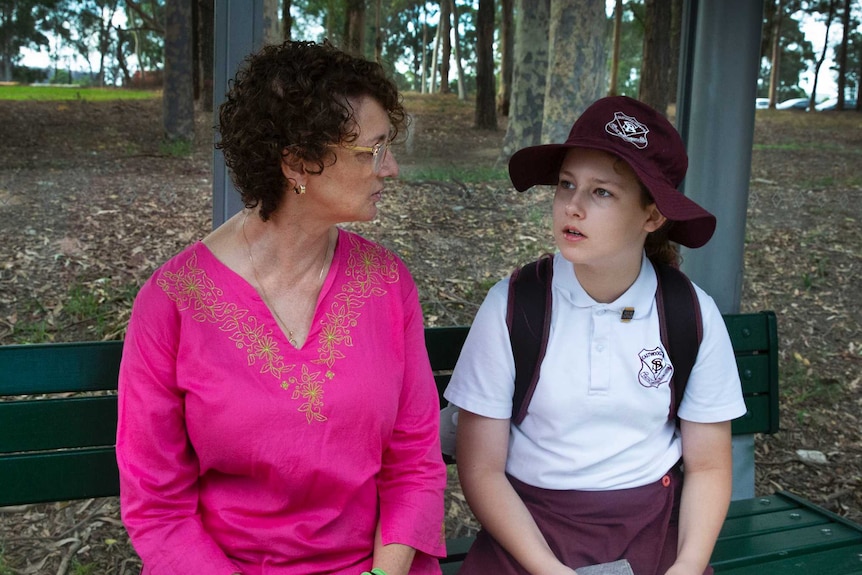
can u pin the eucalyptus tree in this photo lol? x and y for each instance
(560, 67)
(486, 112)
(23, 24)
(577, 63)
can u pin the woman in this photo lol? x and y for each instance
(594, 472)
(277, 410)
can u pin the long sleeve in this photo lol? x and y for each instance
(413, 476)
(158, 469)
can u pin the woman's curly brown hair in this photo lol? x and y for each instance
(292, 102)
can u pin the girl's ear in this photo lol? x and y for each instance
(654, 219)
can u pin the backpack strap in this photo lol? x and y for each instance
(528, 317)
(682, 330)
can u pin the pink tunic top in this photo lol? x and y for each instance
(239, 453)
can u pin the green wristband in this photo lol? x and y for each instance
(375, 571)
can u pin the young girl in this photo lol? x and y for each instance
(594, 472)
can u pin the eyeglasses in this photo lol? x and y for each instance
(378, 152)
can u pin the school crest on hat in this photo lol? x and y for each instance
(629, 129)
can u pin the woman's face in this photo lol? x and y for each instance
(349, 189)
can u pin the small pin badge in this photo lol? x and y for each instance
(627, 315)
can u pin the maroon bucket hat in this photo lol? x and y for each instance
(646, 141)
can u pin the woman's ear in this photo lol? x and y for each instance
(293, 170)
(654, 219)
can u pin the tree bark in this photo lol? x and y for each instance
(354, 27)
(459, 66)
(507, 39)
(486, 113)
(655, 88)
(286, 19)
(529, 74)
(446, 46)
(206, 47)
(178, 113)
(378, 33)
(576, 70)
(775, 53)
(615, 56)
(435, 53)
(842, 55)
(812, 99)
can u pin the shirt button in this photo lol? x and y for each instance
(600, 348)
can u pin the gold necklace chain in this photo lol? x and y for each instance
(290, 337)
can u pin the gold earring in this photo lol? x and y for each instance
(300, 190)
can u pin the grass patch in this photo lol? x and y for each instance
(176, 148)
(63, 93)
(5, 569)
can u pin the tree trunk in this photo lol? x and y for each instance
(178, 113)
(354, 27)
(529, 74)
(459, 65)
(507, 39)
(287, 19)
(615, 56)
(655, 88)
(675, 39)
(446, 46)
(842, 55)
(206, 47)
(813, 97)
(272, 33)
(486, 113)
(434, 58)
(422, 90)
(196, 51)
(576, 70)
(775, 53)
(378, 33)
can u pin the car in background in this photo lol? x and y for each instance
(761, 103)
(793, 104)
(832, 103)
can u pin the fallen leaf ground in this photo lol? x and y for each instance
(90, 204)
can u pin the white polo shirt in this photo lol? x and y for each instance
(598, 419)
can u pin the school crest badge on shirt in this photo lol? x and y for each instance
(656, 368)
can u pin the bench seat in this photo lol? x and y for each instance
(58, 409)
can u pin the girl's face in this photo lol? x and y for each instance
(600, 217)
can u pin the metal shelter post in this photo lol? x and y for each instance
(239, 31)
(719, 64)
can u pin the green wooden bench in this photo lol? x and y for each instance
(58, 413)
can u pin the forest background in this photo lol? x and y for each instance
(95, 194)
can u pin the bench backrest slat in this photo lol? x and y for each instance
(58, 476)
(59, 367)
(37, 425)
(60, 446)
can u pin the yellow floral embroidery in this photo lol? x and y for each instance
(191, 289)
(369, 268)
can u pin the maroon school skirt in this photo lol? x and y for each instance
(589, 527)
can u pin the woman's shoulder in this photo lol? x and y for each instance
(364, 251)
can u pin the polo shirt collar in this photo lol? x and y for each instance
(640, 295)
